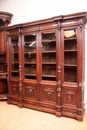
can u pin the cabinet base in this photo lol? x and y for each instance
(3, 97)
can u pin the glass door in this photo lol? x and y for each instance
(14, 57)
(70, 55)
(30, 56)
(49, 56)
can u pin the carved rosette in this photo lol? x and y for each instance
(5, 19)
(48, 94)
(30, 91)
(15, 89)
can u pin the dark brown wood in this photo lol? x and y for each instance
(5, 19)
(45, 65)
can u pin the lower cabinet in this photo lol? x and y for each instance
(40, 97)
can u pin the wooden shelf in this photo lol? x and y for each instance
(74, 38)
(48, 41)
(49, 63)
(15, 62)
(73, 50)
(14, 71)
(48, 76)
(30, 52)
(29, 62)
(50, 51)
(29, 42)
(30, 74)
(71, 65)
(14, 52)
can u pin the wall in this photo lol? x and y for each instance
(30, 10)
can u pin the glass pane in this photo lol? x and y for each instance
(70, 55)
(30, 68)
(30, 43)
(14, 57)
(49, 56)
(30, 56)
(14, 44)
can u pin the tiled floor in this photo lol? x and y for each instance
(14, 118)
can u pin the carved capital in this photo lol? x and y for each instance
(5, 19)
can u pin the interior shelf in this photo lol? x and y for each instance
(53, 51)
(70, 65)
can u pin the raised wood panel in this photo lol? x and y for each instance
(47, 93)
(29, 91)
(14, 88)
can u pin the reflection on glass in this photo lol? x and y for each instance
(14, 44)
(30, 43)
(30, 56)
(14, 57)
(70, 55)
(49, 56)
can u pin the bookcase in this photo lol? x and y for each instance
(46, 65)
(5, 19)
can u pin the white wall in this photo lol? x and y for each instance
(30, 10)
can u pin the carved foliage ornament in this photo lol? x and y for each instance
(5, 19)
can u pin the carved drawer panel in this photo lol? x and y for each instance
(69, 96)
(30, 90)
(14, 88)
(48, 93)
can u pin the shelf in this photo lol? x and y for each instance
(29, 62)
(14, 71)
(30, 52)
(16, 52)
(29, 42)
(74, 38)
(15, 62)
(71, 65)
(1, 62)
(54, 51)
(73, 50)
(2, 53)
(49, 63)
(49, 76)
(48, 41)
(30, 74)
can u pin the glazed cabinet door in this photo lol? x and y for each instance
(30, 87)
(48, 80)
(71, 71)
(13, 68)
(29, 57)
(48, 55)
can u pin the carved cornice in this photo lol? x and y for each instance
(5, 19)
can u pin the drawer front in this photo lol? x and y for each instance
(48, 93)
(29, 90)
